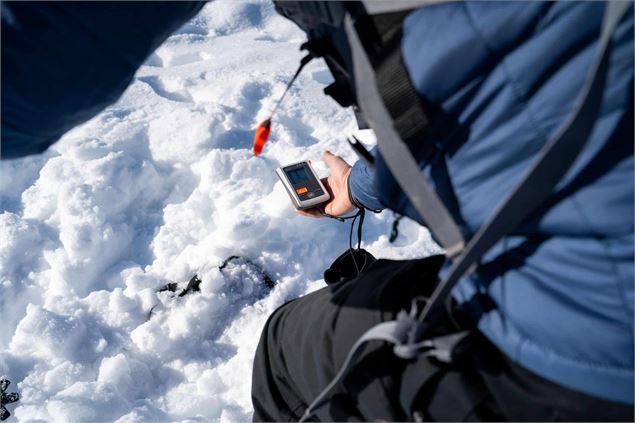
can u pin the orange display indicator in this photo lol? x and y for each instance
(301, 190)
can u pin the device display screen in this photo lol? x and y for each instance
(298, 176)
(304, 183)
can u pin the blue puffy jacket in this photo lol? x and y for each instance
(556, 295)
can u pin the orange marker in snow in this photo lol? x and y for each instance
(264, 128)
(262, 134)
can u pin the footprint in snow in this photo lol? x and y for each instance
(159, 87)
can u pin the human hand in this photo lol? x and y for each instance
(337, 186)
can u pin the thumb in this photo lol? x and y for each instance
(332, 161)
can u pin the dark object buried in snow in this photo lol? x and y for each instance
(252, 270)
(194, 285)
(6, 398)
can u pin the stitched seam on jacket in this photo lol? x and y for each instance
(608, 256)
(526, 339)
(620, 281)
(539, 131)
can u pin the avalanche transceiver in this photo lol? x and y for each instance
(303, 185)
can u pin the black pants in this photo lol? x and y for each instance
(305, 342)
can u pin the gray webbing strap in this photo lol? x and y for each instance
(554, 160)
(396, 154)
(382, 332)
(378, 7)
(399, 332)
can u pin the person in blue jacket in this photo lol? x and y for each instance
(556, 295)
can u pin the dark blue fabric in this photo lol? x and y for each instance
(64, 62)
(360, 179)
(557, 295)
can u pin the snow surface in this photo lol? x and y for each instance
(159, 187)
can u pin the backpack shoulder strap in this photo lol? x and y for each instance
(399, 108)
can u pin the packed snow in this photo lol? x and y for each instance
(159, 187)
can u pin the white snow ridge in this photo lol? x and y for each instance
(159, 187)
